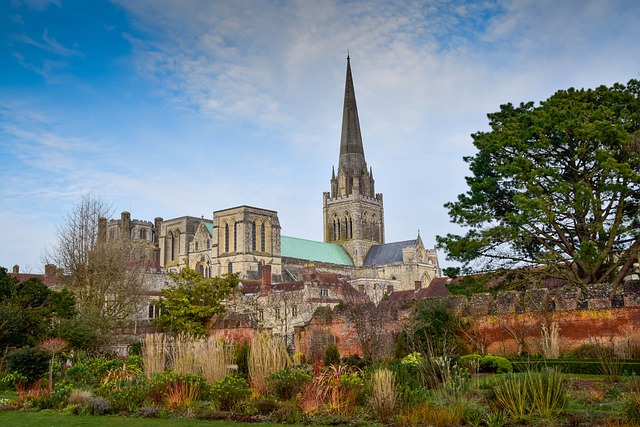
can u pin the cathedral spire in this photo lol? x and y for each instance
(352, 162)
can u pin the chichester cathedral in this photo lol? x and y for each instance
(247, 241)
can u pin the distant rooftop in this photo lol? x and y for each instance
(387, 253)
(293, 247)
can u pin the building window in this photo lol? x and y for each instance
(154, 310)
(261, 315)
(226, 237)
(143, 234)
(259, 269)
(235, 237)
(208, 244)
(324, 292)
(196, 246)
(230, 267)
(294, 310)
(253, 236)
(278, 313)
(263, 237)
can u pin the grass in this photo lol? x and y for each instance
(57, 419)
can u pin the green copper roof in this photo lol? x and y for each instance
(209, 226)
(292, 247)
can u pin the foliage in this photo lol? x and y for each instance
(384, 394)
(536, 393)
(214, 356)
(592, 351)
(30, 362)
(84, 332)
(241, 358)
(230, 392)
(631, 403)
(557, 186)
(266, 355)
(426, 414)
(288, 382)
(29, 309)
(125, 395)
(489, 363)
(338, 388)
(188, 305)
(331, 355)
(11, 380)
(433, 330)
(99, 406)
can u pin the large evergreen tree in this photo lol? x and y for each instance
(555, 187)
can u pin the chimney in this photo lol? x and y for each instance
(50, 273)
(309, 272)
(265, 280)
(125, 225)
(418, 285)
(16, 269)
(102, 229)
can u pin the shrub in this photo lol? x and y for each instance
(288, 382)
(230, 392)
(99, 406)
(425, 414)
(331, 355)
(11, 380)
(125, 395)
(592, 351)
(495, 364)
(538, 393)
(266, 355)
(148, 412)
(29, 362)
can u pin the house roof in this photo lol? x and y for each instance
(387, 253)
(293, 247)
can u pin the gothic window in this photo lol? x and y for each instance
(253, 236)
(226, 237)
(324, 292)
(196, 246)
(259, 269)
(172, 246)
(263, 237)
(235, 237)
(336, 228)
(230, 267)
(200, 268)
(208, 244)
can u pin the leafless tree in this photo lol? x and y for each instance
(106, 276)
(369, 323)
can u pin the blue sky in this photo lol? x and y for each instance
(170, 108)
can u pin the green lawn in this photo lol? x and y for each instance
(55, 419)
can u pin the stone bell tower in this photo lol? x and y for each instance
(353, 212)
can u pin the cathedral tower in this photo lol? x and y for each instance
(353, 212)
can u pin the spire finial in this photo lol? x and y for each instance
(348, 54)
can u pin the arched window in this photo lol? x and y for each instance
(253, 236)
(263, 237)
(226, 237)
(235, 237)
(196, 246)
(172, 246)
(259, 269)
(208, 244)
(230, 267)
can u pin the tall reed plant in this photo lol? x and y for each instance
(384, 395)
(214, 358)
(154, 353)
(265, 356)
(183, 355)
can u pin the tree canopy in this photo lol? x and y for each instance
(555, 188)
(189, 305)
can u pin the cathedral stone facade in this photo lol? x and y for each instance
(247, 241)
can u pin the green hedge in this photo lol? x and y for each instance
(576, 366)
